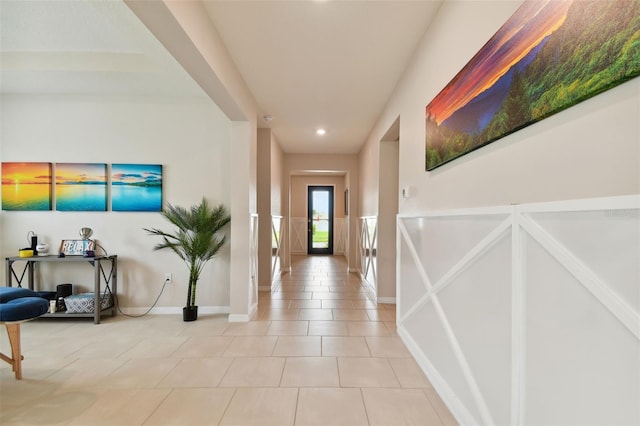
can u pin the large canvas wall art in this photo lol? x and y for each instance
(136, 187)
(81, 187)
(550, 55)
(26, 186)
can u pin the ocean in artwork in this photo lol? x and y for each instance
(136, 198)
(136, 187)
(26, 197)
(81, 187)
(81, 197)
(26, 186)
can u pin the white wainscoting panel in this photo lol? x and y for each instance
(299, 235)
(340, 235)
(253, 262)
(368, 252)
(277, 227)
(526, 315)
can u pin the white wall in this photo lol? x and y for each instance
(269, 201)
(387, 212)
(190, 137)
(368, 166)
(590, 150)
(567, 156)
(264, 208)
(277, 192)
(185, 29)
(379, 169)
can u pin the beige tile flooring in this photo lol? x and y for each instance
(319, 353)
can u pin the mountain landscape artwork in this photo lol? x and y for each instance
(550, 55)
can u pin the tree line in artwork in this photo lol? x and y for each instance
(597, 48)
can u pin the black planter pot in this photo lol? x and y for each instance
(190, 313)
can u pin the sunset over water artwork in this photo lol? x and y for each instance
(81, 187)
(549, 56)
(26, 186)
(136, 187)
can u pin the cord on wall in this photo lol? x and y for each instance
(148, 310)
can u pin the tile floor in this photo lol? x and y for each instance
(319, 353)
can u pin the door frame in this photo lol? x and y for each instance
(310, 249)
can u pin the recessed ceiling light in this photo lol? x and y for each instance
(321, 132)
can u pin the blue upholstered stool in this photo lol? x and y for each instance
(18, 305)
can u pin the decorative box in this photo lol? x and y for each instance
(83, 303)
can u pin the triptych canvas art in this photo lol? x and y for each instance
(81, 187)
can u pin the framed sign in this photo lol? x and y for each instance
(76, 247)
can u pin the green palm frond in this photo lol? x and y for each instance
(197, 238)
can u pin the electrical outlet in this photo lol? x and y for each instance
(168, 278)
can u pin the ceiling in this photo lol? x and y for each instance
(309, 64)
(84, 48)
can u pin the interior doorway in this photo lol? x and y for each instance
(320, 219)
(388, 208)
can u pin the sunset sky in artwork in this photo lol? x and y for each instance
(26, 173)
(79, 173)
(531, 23)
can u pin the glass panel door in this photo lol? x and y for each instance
(320, 220)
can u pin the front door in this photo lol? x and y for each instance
(320, 220)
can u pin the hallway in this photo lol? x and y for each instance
(343, 353)
(319, 353)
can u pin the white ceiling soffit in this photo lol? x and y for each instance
(309, 64)
(84, 48)
(330, 64)
(318, 173)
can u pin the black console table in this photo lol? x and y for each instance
(99, 264)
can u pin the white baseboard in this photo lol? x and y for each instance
(213, 309)
(387, 300)
(244, 317)
(174, 310)
(239, 318)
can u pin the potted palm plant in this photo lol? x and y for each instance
(197, 240)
